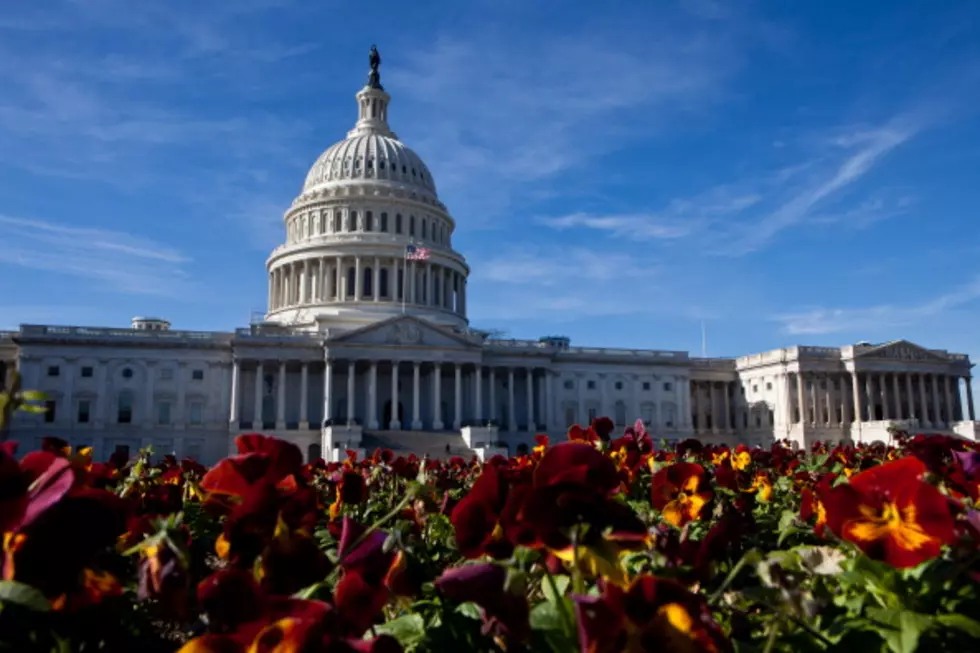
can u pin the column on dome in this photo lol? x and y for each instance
(358, 279)
(437, 424)
(411, 277)
(376, 279)
(339, 280)
(393, 281)
(270, 302)
(429, 297)
(447, 289)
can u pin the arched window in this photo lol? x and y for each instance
(367, 282)
(351, 278)
(383, 281)
(336, 222)
(384, 222)
(368, 225)
(398, 223)
(411, 225)
(124, 411)
(620, 413)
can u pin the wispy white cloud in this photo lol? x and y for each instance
(115, 260)
(879, 318)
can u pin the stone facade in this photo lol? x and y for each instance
(366, 332)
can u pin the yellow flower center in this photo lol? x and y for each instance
(888, 521)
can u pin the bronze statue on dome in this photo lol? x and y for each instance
(374, 77)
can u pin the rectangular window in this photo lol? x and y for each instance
(49, 408)
(592, 415)
(163, 412)
(125, 413)
(197, 375)
(84, 408)
(668, 386)
(53, 370)
(87, 372)
(196, 413)
(768, 386)
(646, 385)
(590, 385)
(569, 385)
(166, 374)
(570, 416)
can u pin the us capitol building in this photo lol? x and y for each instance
(365, 346)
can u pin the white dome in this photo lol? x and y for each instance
(367, 156)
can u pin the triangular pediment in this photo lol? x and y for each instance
(900, 350)
(403, 331)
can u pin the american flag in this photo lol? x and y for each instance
(413, 253)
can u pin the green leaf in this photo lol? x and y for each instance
(561, 585)
(24, 595)
(904, 628)
(32, 408)
(408, 629)
(786, 520)
(33, 395)
(960, 622)
(471, 610)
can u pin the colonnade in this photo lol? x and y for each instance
(366, 278)
(830, 399)
(704, 413)
(510, 393)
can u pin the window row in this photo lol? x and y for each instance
(164, 374)
(353, 166)
(163, 413)
(569, 384)
(431, 229)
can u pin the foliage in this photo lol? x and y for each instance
(600, 543)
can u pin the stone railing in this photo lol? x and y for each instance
(107, 332)
(819, 352)
(537, 345)
(714, 363)
(276, 335)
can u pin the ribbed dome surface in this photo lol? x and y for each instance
(369, 156)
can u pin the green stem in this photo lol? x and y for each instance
(749, 557)
(771, 640)
(563, 607)
(578, 583)
(375, 526)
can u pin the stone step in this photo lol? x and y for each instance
(421, 443)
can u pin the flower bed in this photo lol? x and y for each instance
(600, 543)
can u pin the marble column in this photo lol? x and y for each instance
(236, 373)
(583, 415)
(856, 390)
(372, 416)
(814, 383)
(897, 397)
(728, 406)
(924, 420)
(327, 392)
(800, 398)
(416, 396)
(531, 424)
(969, 397)
(358, 279)
(492, 381)
(549, 402)
(871, 398)
(511, 417)
(478, 396)
(281, 398)
(257, 407)
(712, 408)
(909, 397)
(351, 406)
(394, 423)
(936, 419)
(829, 398)
(948, 396)
(376, 279)
(458, 403)
(845, 416)
(304, 400)
(338, 277)
(696, 396)
(437, 424)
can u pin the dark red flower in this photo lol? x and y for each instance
(505, 611)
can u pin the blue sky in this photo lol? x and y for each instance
(790, 173)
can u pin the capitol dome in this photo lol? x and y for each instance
(367, 238)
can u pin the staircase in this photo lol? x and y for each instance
(421, 443)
